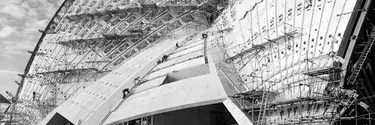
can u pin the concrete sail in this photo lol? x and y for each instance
(167, 62)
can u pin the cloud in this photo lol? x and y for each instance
(10, 49)
(3, 21)
(9, 72)
(27, 8)
(13, 10)
(21, 41)
(37, 24)
(20, 21)
(8, 77)
(31, 12)
(19, 24)
(31, 28)
(5, 2)
(57, 3)
(6, 31)
(43, 7)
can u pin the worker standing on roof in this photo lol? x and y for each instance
(124, 92)
(137, 80)
(159, 61)
(34, 93)
(164, 58)
(204, 36)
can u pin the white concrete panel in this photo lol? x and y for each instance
(191, 92)
(174, 61)
(176, 67)
(189, 45)
(188, 73)
(150, 84)
(192, 49)
(92, 104)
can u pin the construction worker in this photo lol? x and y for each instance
(165, 57)
(159, 61)
(124, 92)
(204, 36)
(34, 93)
(137, 80)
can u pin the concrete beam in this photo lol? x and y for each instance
(240, 116)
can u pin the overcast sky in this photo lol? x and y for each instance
(19, 24)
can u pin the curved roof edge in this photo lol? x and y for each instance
(28, 65)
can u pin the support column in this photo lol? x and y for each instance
(241, 117)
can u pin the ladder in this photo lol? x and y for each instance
(263, 108)
(357, 69)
